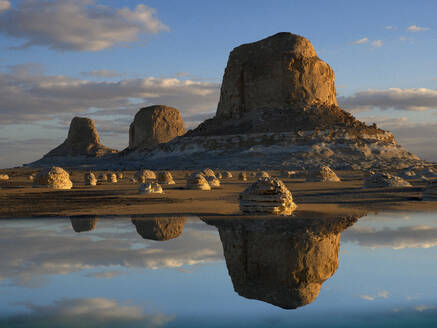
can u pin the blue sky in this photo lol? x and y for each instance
(106, 59)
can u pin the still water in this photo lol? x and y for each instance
(377, 270)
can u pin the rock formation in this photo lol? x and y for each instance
(150, 188)
(267, 196)
(154, 125)
(112, 177)
(90, 179)
(384, 180)
(53, 177)
(165, 177)
(208, 173)
(430, 193)
(103, 177)
(242, 176)
(83, 223)
(120, 175)
(213, 181)
(197, 181)
(262, 174)
(278, 110)
(159, 228)
(281, 261)
(323, 174)
(218, 175)
(144, 175)
(226, 175)
(82, 140)
(4, 177)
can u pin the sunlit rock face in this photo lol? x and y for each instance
(83, 223)
(323, 174)
(159, 228)
(281, 261)
(82, 140)
(53, 177)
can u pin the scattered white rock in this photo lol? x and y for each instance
(4, 177)
(324, 174)
(384, 179)
(242, 176)
(112, 177)
(120, 175)
(53, 177)
(208, 173)
(103, 177)
(144, 175)
(198, 181)
(150, 188)
(219, 175)
(90, 179)
(262, 174)
(213, 181)
(165, 177)
(267, 196)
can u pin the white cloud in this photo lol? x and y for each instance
(4, 5)
(377, 44)
(361, 41)
(95, 312)
(379, 294)
(415, 28)
(83, 25)
(389, 27)
(103, 73)
(416, 99)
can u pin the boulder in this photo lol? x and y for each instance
(218, 175)
(165, 177)
(213, 181)
(83, 223)
(82, 140)
(242, 176)
(262, 174)
(226, 175)
(112, 177)
(323, 174)
(53, 177)
(208, 173)
(267, 196)
(120, 175)
(4, 177)
(384, 180)
(150, 188)
(197, 181)
(103, 177)
(154, 125)
(90, 179)
(160, 228)
(144, 175)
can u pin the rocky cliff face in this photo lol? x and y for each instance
(154, 125)
(159, 228)
(302, 253)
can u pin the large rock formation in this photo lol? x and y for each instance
(53, 177)
(281, 261)
(154, 125)
(278, 110)
(82, 140)
(384, 180)
(159, 228)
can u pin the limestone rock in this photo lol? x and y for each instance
(120, 175)
(4, 177)
(150, 188)
(383, 180)
(242, 176)
(90, 179)
(267, 196)
(154, 125)
(323, 174)
(165, 177)
(144, 175)
(82, 140)
(103, 177)
(112, 177)
(160, 228)
(213, 181)
(208, 173)
(262, 174)
(430, 193)
(197, 181)
(31, 177)
(281, 261)
(219, 175)
(53, 177)
(83, 223)
(226, 175)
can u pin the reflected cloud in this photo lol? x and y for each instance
(95, 312)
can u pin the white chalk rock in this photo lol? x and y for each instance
(53, 177)
(383, 180)
(198, 181)
(90, 179)
(165, 177)
(323, 174)
(150, 188)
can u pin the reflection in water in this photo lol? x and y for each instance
(282, 261)
(83, 223)
(159, 228)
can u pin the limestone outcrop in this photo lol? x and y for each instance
(53, 177)
(262, 174)
(150, 188)
(154, 125)
(144, 175)
(323, 174)
(242, 176)
(281, 261)
(165, 177)
(384, 180)
(82, 140)
(226, 175)
(197, 181)
(103, 177)
(112, 177)
(208, 173)
(90, 179)
(159, 228)
(267, 196)
(213, 181)
(4, 177)
(83, 223)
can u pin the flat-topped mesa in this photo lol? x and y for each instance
(82, 140)
(155, 125)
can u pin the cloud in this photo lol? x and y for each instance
(28, 97)
(389, 27)
(377, 44)
(82, 25)
(361, 41)
(415, 28)
(379, 294)
(418, 236)
(95, 312)
(4, 5)
(103, 73)
(417, 99)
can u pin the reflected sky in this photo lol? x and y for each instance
(188, 271)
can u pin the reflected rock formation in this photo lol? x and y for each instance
(83, 223)
(159, 228)
(282, 261)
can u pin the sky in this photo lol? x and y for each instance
(107, 59)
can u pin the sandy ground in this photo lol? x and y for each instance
(19, 199)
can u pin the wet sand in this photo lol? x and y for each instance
(19, 199)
